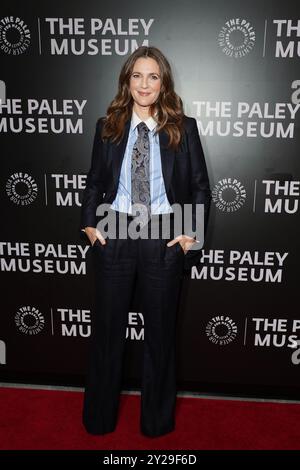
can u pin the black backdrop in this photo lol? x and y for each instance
(236, 67)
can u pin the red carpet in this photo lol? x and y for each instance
(40, 419)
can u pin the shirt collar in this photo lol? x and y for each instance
(135, 120)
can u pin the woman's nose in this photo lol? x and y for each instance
(145, 82)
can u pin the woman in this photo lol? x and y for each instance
(147, 158)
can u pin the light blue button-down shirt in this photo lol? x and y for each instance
(159, 200)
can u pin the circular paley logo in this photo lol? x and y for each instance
(29, 320)
(21, 189)
(221, 330)
(14, 35)
(229, 195)
(236, 38)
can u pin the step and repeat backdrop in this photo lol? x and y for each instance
(236, 67)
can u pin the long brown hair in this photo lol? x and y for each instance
(169, 106)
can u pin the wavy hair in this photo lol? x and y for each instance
(168, 107)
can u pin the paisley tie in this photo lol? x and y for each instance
(140, 172)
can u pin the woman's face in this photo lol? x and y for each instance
(145, 82)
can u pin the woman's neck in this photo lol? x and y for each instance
(142, 112)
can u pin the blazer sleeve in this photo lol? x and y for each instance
(200, 189)
(93, 192)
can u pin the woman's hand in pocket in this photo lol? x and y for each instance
(93, 234)
(184, 241)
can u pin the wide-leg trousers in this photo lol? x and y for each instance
(158, 269)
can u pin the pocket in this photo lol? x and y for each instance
(181, 249)
(176, 247)
(97, 241)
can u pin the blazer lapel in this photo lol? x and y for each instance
(167, 158)
(118, 152)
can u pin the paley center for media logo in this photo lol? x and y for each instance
(29, 320)
(59, 190)
(221, 330)
(272, 196)
(229, 195)
(21, 189)
(237, 37)
(14, 35)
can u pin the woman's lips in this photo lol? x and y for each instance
(143, 93)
